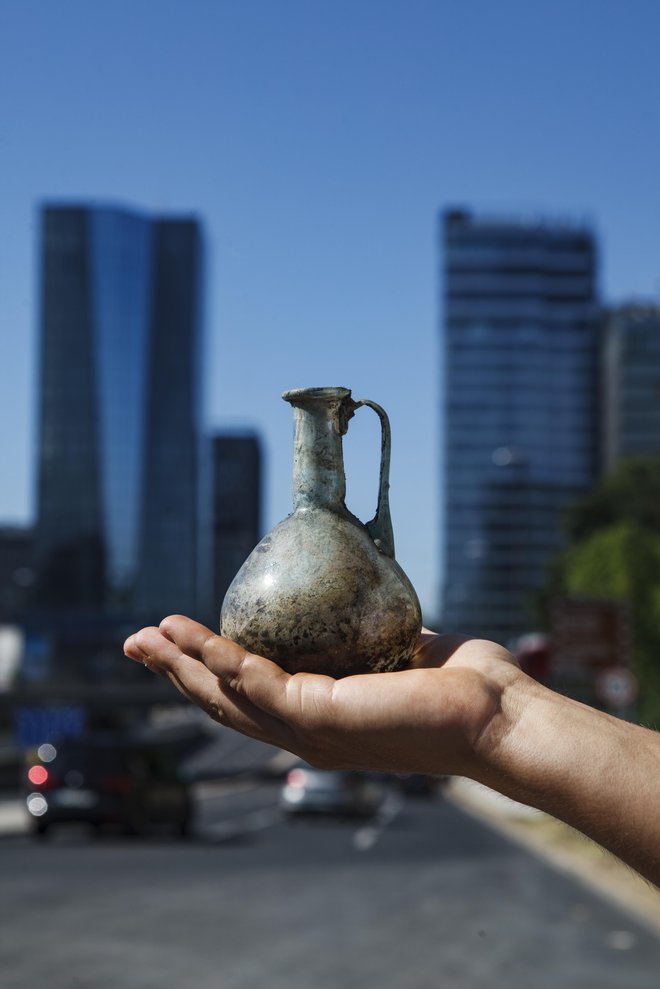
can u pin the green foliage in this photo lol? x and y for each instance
(615, 553)
(619, 561)
(631, 493)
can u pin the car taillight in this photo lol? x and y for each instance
(43, 778)
(297, 778)
(38, 775)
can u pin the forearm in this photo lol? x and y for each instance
(597, 773)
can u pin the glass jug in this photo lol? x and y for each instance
(322, 592)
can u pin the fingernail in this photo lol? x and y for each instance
(133, 651)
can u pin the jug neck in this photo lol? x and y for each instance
(321, 418)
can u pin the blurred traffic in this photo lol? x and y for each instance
(148, 784)
(107, 780)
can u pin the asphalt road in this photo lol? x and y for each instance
(421, 897)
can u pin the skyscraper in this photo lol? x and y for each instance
(16, 573)
(119, 417)
(236, 488)
(520, 410)
(631, 383)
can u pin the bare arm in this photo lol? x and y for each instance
(597, 773)
(462, 708)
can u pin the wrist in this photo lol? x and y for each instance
(504, 750)
(578, 764)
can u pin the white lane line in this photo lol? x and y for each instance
(366, 837)
(257, 820)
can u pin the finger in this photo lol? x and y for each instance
(262, 682)
(196, 682)
(162, 655)
(435, 650)
(222, 656)
(201, 687)
(133, 650)
(190, 636)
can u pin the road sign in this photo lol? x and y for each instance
(589, 635)
(36, 725)
(617, 687)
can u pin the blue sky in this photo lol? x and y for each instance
(317, 142)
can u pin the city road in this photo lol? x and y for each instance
(418, 898)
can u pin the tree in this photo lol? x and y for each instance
(630, 493)
(623, 561)
(614, 552)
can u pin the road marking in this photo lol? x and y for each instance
(257, 820)
(621, 940)
(366, 837)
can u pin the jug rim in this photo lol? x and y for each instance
(330, 393)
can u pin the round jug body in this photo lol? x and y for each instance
(317, 595)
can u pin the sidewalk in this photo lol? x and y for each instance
(562, 847)
(13, 816)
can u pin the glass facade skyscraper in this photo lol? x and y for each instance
(119, 423)
(236, 464)
(631, 383)
(520, 368)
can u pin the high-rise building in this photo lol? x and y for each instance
(16, 574)
(520, 410)
(236, 492)
(631, 383)
(119, 422)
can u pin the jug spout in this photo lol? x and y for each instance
(321, 417)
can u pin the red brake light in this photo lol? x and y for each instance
(38, 775)
(297, 778)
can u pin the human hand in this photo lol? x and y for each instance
(434, 717)
(462, 708)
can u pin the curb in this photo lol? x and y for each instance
(604, 875)
(13, 818)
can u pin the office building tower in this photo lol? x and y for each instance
(118, 412)
(16, 573)
(236, 492)
(631, 383)
(520, 410)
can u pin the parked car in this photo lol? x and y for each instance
(332, 792)
(107, 780)
(419, 784)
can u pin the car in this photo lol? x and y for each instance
(330, 792)
(107, 779)
(419, 784)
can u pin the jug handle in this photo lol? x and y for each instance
(380, 527)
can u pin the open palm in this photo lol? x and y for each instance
(427, 718)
